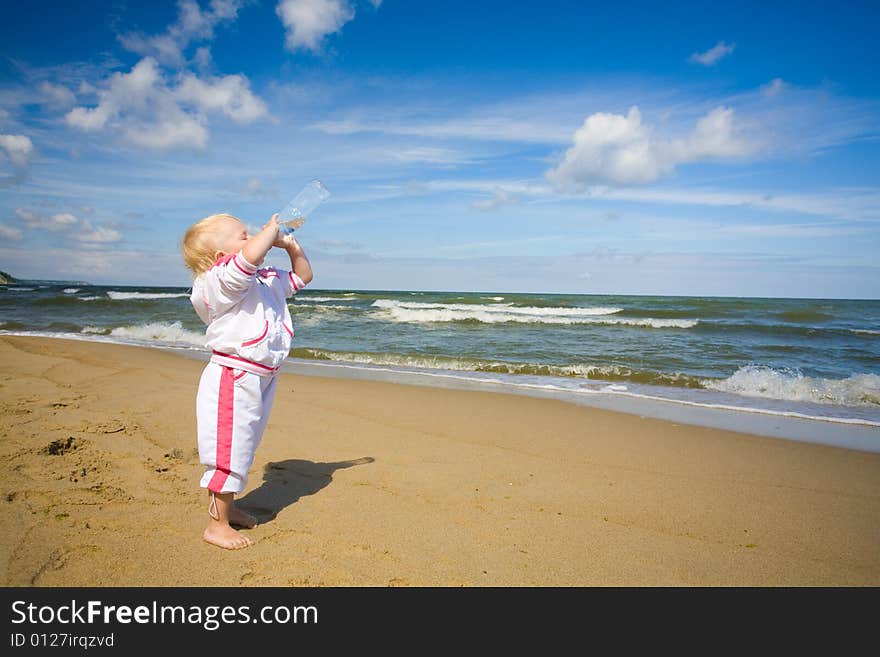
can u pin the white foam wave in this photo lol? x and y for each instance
(323, 306)
(124, 296)
(494, 298)
(508, 308)
(310, 298)
(463, 364)
(165, 332)
(23, 289)
(792, 385)
(865, 331)
(438, 362)
(405, 311)
(71, 290)
(94, 329)
(605, 390)
(90, 298)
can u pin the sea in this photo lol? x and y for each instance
(802, 369)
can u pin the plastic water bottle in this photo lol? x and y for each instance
(303, 204)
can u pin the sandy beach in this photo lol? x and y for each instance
(381, 484)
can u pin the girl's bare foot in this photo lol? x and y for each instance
(224, 536)
(241, 518)
(222, 512)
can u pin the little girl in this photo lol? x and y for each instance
(250, 333)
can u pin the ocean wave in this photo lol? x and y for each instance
(91, 298)
(672, 313)
(13, 288)
(790, 384)
(71, 290)
(506, 308)
(162, 332)
(402, 311)
(323, 306)
(330, 295)
(125, 296)
(865, 331)
(462, 364)
(305, 297)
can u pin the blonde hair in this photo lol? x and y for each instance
(200, 243)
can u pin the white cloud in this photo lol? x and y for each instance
(230, 95)
(125, 91)
(621, 150)
(9, 232)
(308, 21)
(203, 59)
(492, 128)
(141, 106)
(97, 234)
(54, 223)
(193, 24)
(714, 54)
(774, 87)
(849, 204)
(177, 130)
(149, 112)
(57, 95)
(18, 149)
(499, 198)
(795, 122)
(81, 230)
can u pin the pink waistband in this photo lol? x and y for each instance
(243, 363)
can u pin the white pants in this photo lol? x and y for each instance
(232, 408)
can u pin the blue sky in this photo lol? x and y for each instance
(494, 146)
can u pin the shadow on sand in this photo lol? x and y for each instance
(284, 482)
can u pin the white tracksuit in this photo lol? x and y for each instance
(249, 332)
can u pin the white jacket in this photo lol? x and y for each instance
(245, 308)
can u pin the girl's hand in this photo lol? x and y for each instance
(273, 221)
(272, 224)
(282, 240)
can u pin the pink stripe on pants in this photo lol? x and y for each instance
(224, 431)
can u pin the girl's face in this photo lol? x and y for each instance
(232, 235)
